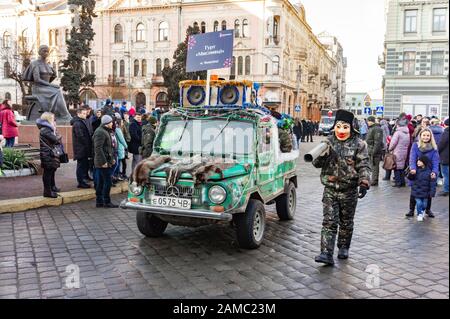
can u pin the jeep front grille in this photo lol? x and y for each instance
(183, 191)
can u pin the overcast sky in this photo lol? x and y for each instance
(360, 26)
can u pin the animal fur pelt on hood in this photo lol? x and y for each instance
(201, 169)
(144, 168)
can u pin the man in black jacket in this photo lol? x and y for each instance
(443, 153)
(136, 140)
(82, 147)
(374, 141)
(104, 162)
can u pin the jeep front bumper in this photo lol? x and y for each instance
(125, 204)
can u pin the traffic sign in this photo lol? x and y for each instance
(367, 110)
(298, 108)
(380, 109)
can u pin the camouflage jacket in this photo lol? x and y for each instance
(347, 165)
(285, 140)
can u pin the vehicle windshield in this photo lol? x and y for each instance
(327, 120)
(219, 138)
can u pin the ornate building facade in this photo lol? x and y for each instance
(135, 39)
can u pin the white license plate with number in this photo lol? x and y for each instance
(162, 201)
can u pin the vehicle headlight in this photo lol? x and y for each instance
(135, 189)
(217, 194)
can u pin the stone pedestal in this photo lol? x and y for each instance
(29, 134)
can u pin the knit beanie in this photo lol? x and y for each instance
(106, 119)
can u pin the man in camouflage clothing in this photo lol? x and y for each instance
(285, 140)
(345, 167)
(375, 144)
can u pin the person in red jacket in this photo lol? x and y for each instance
(8, 123)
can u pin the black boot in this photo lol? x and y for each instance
(410, 214)
(343, 253)
(56, 189)
(429, 213)
(50, 195)
(325, 258)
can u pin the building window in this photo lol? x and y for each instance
(56, 37)
(409, 62)
(140, 32)
(203, 29)
(50, 37)
(67, 35)
(196, 27)
(276, 65)
(55, 68)
(216, 26)
(86, 67)
(163, 31)
(158, 67)
(233, 68)
(439, 17)
(144, 67)
(136, 68)
(224, 25)
(122, 69)
(266, 68)
(437, 63)
(92, 67)
(114, 69)
(276, 29)
(410, 21)
(247, 65)
(6, 70)
(245, 31)
(118, 34)
(7, 96)
(6, 40)
(166, 63)
(240, 65)
(237, 26)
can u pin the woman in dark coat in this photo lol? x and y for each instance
(48, 139)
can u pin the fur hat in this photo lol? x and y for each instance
(347, 117)
(106, 119)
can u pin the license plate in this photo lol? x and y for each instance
(163, 201)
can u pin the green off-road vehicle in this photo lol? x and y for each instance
(224, 164)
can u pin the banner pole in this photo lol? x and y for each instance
(208, 85)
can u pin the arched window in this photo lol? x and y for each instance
(6, 39)
(158, 67)
(7, 96)
(237, 26)
(50, 37)
(166, 63)
(245, 30)
(233, 68)
(67, 34)
(136, 68)
(247, 65)
(114, 68)
(140, 32)
(163, 31)
(276, 65)
(6, 70)
(216, 26)
(56, 37)
(122, 69)
(92, 67)
(224, 25)
(203, 29)
(144, 67)
(195, 25)
(118, 34)
(240, 65)
(86, 67)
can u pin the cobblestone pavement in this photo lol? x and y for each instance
(116, 261)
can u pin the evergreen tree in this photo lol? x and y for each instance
(78, 47)
(173, 75)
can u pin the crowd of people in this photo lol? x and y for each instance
(418, 150)
(102, 141)
(305, 129)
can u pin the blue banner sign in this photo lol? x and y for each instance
(212, 50)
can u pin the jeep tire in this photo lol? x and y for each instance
(286, 203)
(250, 226)
(150, 225)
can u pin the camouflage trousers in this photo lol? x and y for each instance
(338, 210)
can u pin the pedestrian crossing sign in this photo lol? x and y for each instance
(298, 108)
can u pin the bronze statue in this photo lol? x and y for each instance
(48, 95)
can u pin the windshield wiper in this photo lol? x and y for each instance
(223, 128)
(184, 129)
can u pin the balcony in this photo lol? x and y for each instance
(157, 79)
(381, 61)
(114, 80)
(312, 98)
(302, 54)
(314, 70)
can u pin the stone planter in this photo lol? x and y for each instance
(18, 173)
